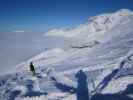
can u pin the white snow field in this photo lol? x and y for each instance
(102, 48)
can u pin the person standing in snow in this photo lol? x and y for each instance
(32, 68)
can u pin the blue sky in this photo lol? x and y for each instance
(41, 15)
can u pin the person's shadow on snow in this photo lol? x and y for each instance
(107, 79)
(82, 88)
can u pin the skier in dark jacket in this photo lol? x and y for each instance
(32, 69)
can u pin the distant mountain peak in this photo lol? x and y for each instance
(124, 12)
(97, 24)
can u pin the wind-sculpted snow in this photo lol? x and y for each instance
(102, 49)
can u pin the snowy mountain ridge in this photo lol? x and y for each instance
(100, 24)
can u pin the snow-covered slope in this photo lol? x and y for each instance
(100, 24)
(102, 48)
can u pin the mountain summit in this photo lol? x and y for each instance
(101, 23)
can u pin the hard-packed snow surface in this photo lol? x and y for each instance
(102, 48)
